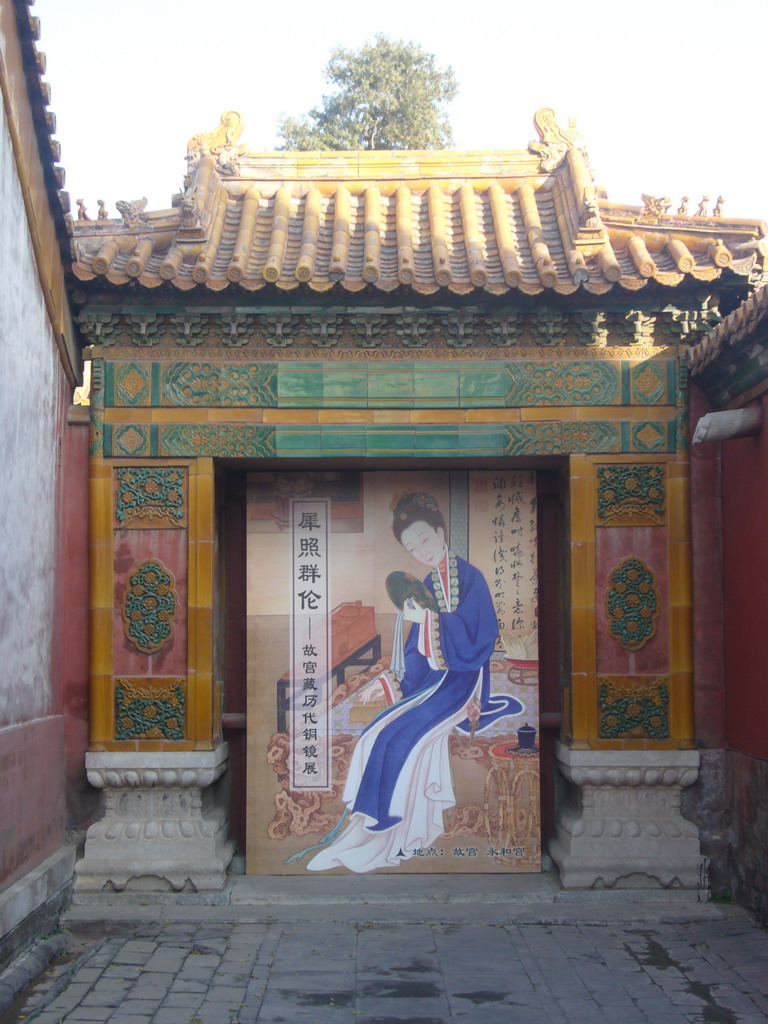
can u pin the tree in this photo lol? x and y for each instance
(389, 95)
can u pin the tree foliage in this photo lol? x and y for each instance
(388, 95)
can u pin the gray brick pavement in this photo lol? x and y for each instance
(712, 971)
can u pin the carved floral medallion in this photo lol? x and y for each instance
(149, 606)
(632, 603)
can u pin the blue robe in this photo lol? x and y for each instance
(399, 783)
(467, 638)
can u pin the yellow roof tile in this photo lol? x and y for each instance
(528, 220)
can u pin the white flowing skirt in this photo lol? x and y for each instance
(423, 791)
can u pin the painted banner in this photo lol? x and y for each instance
(393, 675)
(309, 737)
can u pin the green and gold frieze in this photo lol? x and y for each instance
(189, 384)
(399, 440)
(188, 440)
(476, 384)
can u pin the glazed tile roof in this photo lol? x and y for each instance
(736, 328)
(43, 119)
(730, 362)
(526, 220)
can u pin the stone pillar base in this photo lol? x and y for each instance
(622, 827)
(163, 828)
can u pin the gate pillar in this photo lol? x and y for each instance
(627, 749)
(156, 750)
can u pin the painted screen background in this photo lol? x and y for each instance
(491, 517)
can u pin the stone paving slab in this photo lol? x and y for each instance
(644, 969)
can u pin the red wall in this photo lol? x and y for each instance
(70, 633)
(706, 535)
(42, 752)
(745, 558)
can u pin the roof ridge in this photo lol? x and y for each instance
(540, 225)
(44, 120)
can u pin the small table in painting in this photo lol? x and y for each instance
(511, 798)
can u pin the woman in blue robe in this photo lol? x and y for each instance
(399, 782)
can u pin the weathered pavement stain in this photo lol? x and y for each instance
(415, 966)
(655, 955)
(400, 990)
(315, 999)
(482, 997)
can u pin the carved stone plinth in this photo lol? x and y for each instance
(621, 826)
(163, 828)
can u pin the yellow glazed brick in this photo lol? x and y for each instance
(179, 415)
(102, 708)
(678, 508)
(584, 707)
(205, 745)
(582, 575)
(391, 416)
(680, 586)
(200, 707)
(437, 416)
(291, 416)
(236, 415)
(581, 465)
(582, 506)
(681, 706)
(101, 584)
(100, 644)
(128, 415)
(680, 639)
(628, 412)
(569, 414)
(201, 582)
(150, 746)
(546, 413)
(201, 508)
(192, 503)
(202, 467)
(598, 744)
(591, 412)
(665, 413)
(192, 573)
(100, 470)
(200, 643)
(636, 460)
(100, 509)
(493, 415)
(345, 416)
(583, 640)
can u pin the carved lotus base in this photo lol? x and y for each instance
(622, 827)
(162, 828)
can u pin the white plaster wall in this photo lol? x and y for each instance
(29, 384)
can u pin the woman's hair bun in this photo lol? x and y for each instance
(415, 507)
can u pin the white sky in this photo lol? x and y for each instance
(669, 94)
